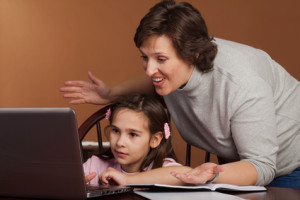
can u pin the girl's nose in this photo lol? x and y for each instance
(121, 140)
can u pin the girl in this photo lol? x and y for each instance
(139, 136)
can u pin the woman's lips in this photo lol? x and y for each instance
(158, 82)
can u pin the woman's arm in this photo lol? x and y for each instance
(97, 92)
(236, 173)
(138, 84)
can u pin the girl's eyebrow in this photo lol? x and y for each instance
(133, 130)
(113, 126)
(128, 129)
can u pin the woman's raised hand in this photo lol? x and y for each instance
(94, 92)
(199, 175)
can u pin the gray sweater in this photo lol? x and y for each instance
(247, 108)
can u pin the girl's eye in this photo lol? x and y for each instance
(133, 134)
(114, 130)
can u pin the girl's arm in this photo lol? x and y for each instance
(237, 173)
(158, 176)
(97, 92)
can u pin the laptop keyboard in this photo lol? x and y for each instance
(101, 190)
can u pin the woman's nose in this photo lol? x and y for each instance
(151, 69)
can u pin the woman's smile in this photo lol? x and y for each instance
(158, 82)
(161, 62)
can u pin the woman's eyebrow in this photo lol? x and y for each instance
(155, 53)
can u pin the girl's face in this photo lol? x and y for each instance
(162, 64)
(129, 138)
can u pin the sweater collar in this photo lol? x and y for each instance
(193, 82)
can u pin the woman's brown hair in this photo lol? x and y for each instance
(184, 25)
(157, 117)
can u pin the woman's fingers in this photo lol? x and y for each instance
(76, 83)
(190, 178)
(199, 175)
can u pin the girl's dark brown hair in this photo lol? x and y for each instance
(184, 25)
(157, 116)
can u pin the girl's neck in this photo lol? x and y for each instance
(130, 170)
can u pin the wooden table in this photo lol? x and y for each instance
(272, 193)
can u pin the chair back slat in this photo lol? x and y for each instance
(91, 121)
(99, 135)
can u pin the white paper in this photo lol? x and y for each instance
(207, 195)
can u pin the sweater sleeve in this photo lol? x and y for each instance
(254, 130)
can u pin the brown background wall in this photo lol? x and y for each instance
(44, 43)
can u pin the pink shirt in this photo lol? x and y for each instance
(96, 164)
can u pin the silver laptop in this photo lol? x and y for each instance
(40, 155)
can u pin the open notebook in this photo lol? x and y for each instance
(201, 187)
(40, 155)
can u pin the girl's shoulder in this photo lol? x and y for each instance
(170, 162)
(97, 164)
(166, 163)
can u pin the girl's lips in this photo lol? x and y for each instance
(121, 154)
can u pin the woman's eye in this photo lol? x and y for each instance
(145, 58)
(161, 60)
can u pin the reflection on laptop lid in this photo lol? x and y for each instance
(40, 155)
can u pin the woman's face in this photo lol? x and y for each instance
(162, 64)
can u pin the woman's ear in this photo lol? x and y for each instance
(156, 139)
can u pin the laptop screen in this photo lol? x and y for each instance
(40, 153)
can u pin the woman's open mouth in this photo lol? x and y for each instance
(157, 82)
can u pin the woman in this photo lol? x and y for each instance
(226, 98)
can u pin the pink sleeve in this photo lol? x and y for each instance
(167, 163)
(95, 164)
(170, 162)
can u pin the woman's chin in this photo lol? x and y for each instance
(162, 92)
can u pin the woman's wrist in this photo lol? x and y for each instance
(214, 179)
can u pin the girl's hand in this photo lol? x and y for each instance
(199, 175)
(112, 177)
(89, 177)
(94, 92)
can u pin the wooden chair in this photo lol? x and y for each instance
(94, 120)
(89, 123)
